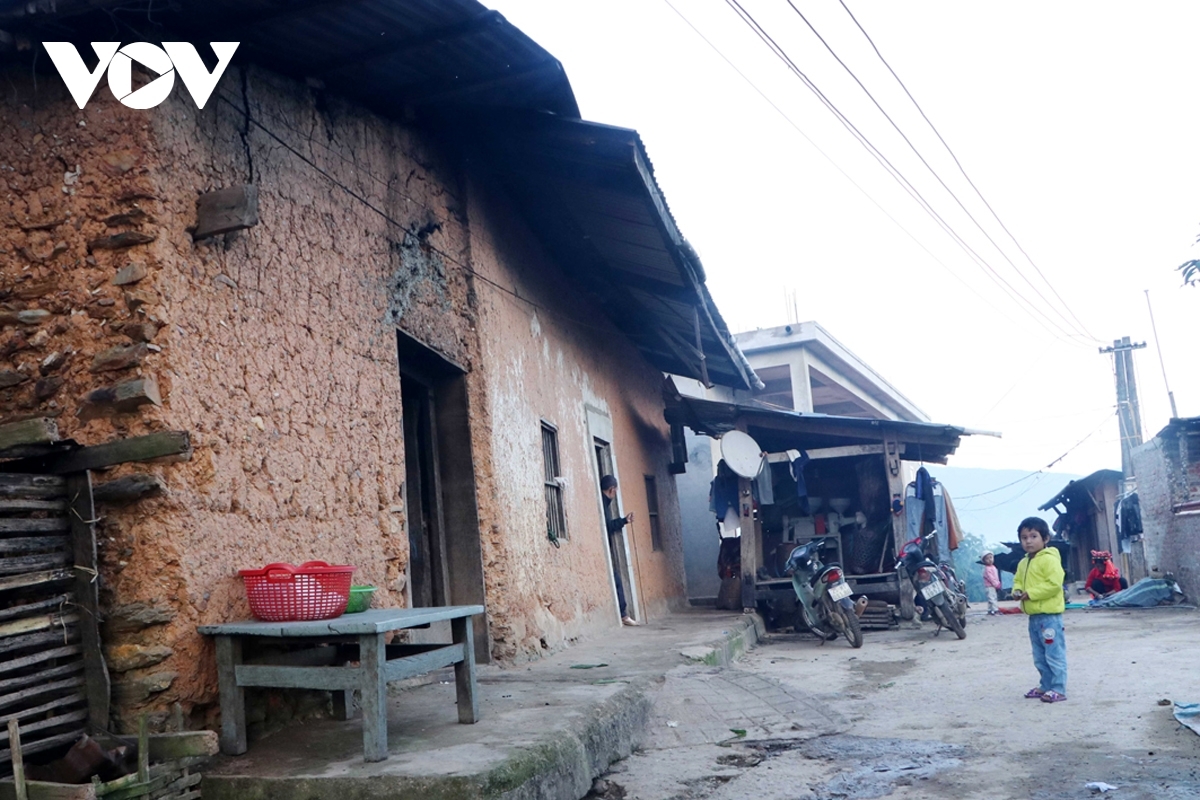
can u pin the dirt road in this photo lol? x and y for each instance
(910, 716)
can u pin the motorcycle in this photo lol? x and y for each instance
(825, 607)
(944, 595)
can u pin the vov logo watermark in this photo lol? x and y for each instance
(167, 60)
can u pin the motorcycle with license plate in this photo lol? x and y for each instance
(825, 607)
(940, 591)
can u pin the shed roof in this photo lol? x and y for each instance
(777, 429)
(383, 54)
(588, 191)
(1082, 485)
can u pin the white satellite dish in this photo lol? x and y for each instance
(742, 454)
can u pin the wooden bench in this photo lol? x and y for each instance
(316, 657)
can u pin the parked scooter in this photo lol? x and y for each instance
(943, 595)
(825, 606)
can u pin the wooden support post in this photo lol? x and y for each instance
(463, 632)
(18, 759)
(81, 515)
(233, 697)
(372, 657)
(751, 544)
(135, 448)
(892, 451)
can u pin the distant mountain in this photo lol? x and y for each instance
(994, 516)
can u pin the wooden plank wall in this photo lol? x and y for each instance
(43, 670)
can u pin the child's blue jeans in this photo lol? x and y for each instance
(1050, 659)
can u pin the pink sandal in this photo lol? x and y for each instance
(1053, 697)
(1034, 694)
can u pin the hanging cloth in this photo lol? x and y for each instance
(953, 526)
(798, 474)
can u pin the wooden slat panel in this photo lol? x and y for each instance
(34, 578)
(26, 713)
(86, 592)
(37, 658)
(31, 486)
(35, 639)
(39, 623)
(36, 691)
(50, 742)
(135, 448)
(48, 525)
(56, 602)
(27, 564)
(33, 544)
(47, 674)
(19, 505)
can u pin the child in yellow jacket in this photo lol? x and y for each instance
(1038, 585)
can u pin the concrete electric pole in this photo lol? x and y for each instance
(1128, 413)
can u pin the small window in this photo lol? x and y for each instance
(652, 506)
(556, 520)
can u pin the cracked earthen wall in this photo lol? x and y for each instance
(275, 347)
(548, 357)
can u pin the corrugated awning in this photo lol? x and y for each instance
(1083, 486)
(589, 193)
(777, 430)
(383, 54)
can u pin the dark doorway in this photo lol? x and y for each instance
(445, 554)
(426, 526)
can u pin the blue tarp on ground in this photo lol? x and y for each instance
(1188, 715)
(1146, 593)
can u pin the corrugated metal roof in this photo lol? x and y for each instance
(777, 430)
(588, 192)
(384, 54)
(1085, 485)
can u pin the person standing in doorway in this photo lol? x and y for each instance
(608, 489)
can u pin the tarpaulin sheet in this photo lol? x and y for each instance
(1146, 593)
(1188, 715)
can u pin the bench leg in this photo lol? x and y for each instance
(372, 660)
(464, 671)
(233, 697)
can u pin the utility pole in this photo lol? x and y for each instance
(1129, 415)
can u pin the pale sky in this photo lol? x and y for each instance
(1077, 121)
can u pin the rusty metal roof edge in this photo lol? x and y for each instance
(1086, 483)
(753, 407)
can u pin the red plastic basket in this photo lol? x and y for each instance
(285, 593)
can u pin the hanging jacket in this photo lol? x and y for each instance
(1131, 516)
(1041, 577)
(723, 492)
(924, 491)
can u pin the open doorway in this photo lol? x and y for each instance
(620, 544)
(445, 564)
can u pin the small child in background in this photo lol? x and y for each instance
(991, 583)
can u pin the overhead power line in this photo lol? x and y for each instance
(1015, 296)
(834, 164)
(1075, 326)
(967, 177)
(1068, 452)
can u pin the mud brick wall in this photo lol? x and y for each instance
(275, 347)
(548, 359)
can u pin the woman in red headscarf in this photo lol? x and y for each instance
(1105, 578)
